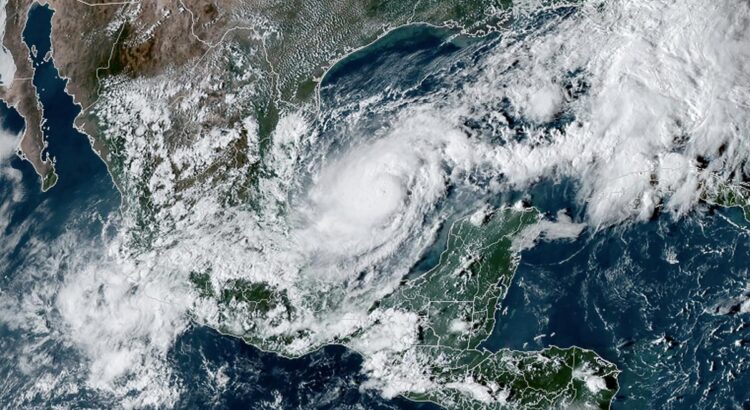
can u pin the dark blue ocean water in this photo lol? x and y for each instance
(326, 379)
(643, 296)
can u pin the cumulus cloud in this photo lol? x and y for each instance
(8, 145)
(7, 65)
(562, 229)
(663, 113)
(8, 149)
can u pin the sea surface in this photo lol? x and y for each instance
(326, 379)
(644, 296)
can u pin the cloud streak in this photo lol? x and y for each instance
(655, 93)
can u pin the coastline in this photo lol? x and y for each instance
(516, 258)
(318, 102)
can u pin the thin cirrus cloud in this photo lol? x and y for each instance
(666, 85)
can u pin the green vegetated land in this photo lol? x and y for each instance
(458, 302)
(732, 195)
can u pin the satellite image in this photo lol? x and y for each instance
(375, 204)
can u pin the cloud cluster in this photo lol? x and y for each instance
(664, 113)
(644, 103)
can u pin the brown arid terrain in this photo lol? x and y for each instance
(21, 93)
(99, 38)
(288, 44)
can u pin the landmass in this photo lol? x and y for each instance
(20, 93)
(730, 195)
(154, 78)
(424, 341)
(288, 44)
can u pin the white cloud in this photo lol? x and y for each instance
(7, 65)
(562, 228)
(347, 218)
(8, 145)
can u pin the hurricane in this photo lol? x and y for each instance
(370, 217)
